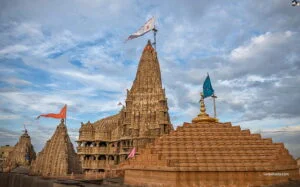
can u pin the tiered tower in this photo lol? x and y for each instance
(208, 153)
(58, 157)
(21, 155)
(144, 117)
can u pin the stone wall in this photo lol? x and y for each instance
(207, 179)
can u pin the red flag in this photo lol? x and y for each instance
(132, 153)
(61, 115)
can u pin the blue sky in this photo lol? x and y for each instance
(73, 52)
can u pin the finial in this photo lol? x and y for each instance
(62, 121)
(203, 116)
(149, 46)
(25, 130)
(202, 106)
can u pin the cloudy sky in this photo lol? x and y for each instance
(73, 52)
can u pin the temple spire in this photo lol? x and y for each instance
(148, 72)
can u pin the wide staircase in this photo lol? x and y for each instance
(213, 147)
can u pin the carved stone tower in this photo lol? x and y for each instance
(107, 142)
(146, 111)
(21, 155)
(58, 157)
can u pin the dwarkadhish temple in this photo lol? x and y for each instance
(204, 152)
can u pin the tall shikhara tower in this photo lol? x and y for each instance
(146, 112)
(107, 142)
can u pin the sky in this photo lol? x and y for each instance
(73, 52)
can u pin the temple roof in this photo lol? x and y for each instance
(107, 123)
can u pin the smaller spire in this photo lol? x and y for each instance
(203, 116)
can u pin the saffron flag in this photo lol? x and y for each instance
(207, 88)
(132, 153)
(61, 115)
(148, 26)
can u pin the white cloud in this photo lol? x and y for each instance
(16, 81)
(9, 117)
(13, 49)
(26, 29)
(286, 128)
(261, 44)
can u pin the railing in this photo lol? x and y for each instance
(92, 150)
(97, 150)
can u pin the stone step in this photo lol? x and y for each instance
(220, 133)
(211, 137)
(189, 142)
(205, 125)
(210, 129)
(236, 158)
(219, 163)
(218, 152)
(257, 166)
(216, 147)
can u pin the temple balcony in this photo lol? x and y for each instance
(92, 150)
(96, 150)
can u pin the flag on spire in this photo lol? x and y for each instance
(207, 88)
(148, 26)
(132, 153)
(61, 115)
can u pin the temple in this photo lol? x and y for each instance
(58, 157)
(107, 142)
(209, 153)
(21, 154)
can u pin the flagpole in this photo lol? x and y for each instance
(154, 35)
(66, 117)
(214, 100)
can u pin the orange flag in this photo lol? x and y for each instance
(61, 115)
